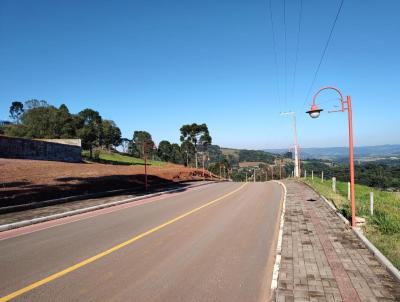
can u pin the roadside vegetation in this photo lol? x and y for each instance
(378, 174)
(383, 227)
(102, 140)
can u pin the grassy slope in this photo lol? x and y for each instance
(383, 228)
(119, 159)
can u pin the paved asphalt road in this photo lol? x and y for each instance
(212, 243)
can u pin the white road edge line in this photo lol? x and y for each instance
(275, 274)
(15, 225)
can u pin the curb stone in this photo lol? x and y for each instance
(275, 273)
(15, 225)
(50, 202)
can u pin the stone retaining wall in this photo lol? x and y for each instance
(12, 147)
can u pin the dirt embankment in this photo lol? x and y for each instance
(24, 181)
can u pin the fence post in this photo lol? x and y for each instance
(312, 174)
(371, 203)
(348, 191)
(322, 176)
(334, 184)
(305, 173)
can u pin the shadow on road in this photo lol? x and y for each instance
(23, 193)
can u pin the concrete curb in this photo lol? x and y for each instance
(372, 248)
(381, 258)
(15, 225)
(45, 203)
(275, 274)
(335, 209)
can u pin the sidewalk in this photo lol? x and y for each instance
(322, 260)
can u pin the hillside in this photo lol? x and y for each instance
(362, 153)
(244, 155)
(25, 181)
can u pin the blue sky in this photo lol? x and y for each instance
(155, 65)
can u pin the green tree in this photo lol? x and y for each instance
(41, 122)
(16, 111)
(44, 122)
(288, 155)
(140, 139)
(188, 152)
(89, 129)
(111, 134)
(196, 134)
(65, 124)
(165, 150)
(215, 153)
(176, 154)
(34, 103)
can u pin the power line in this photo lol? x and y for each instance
(297, 47)
(275, 53)
(324, 51)
(284, 24)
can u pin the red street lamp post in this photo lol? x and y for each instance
(346, 105)
(146, 186)
(145, 165)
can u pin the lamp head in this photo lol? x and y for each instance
(314, 112)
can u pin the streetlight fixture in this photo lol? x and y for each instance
(314, 112)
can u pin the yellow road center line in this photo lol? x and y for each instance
(109, 251)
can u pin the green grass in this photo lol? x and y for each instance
(112, 158)
(382, 228)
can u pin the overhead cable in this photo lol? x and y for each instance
(324, 52)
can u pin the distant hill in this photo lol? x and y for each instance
(361, 153)
(244, 155)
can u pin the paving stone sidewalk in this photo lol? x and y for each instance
(322, 260)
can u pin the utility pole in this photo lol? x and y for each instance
(203, 168)
(296, 146)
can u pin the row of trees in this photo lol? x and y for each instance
(195, 139)
(372, 174)
(38, 119)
